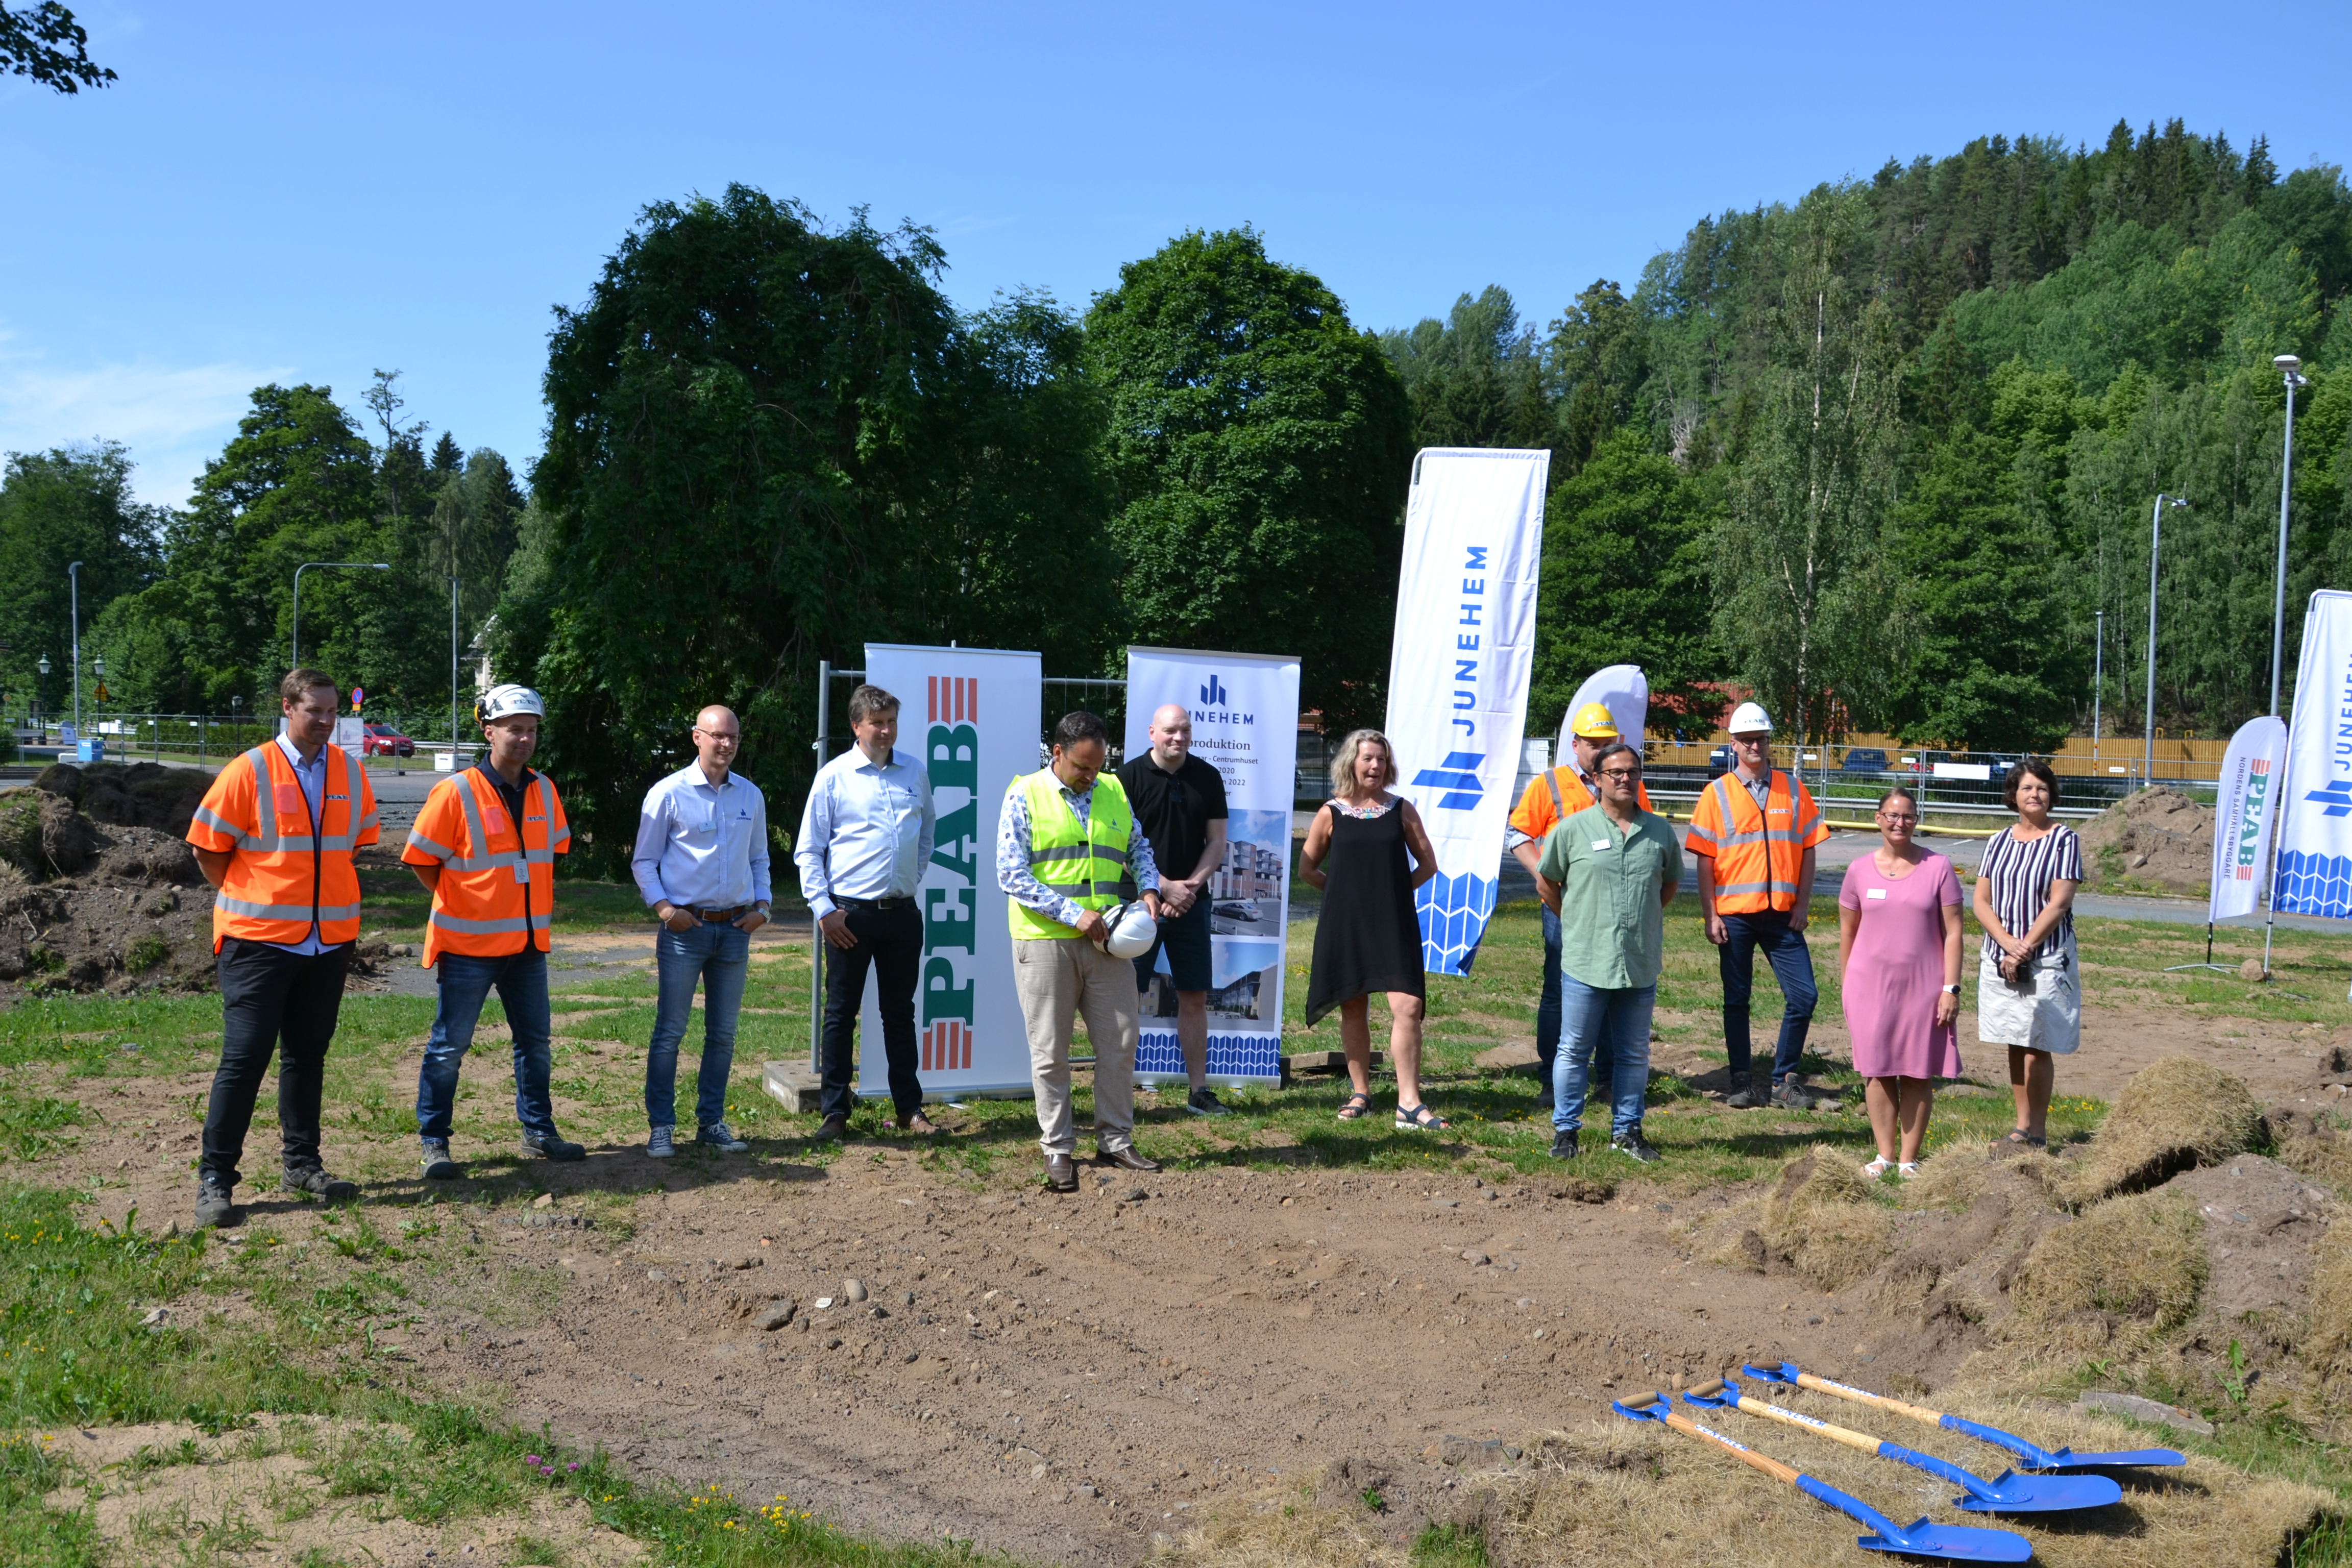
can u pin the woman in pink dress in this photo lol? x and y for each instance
(1899, 958)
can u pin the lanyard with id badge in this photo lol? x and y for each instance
(494, 822)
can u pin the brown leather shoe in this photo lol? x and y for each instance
(918, 1123)
(1127, 1159)
(1061, 1173)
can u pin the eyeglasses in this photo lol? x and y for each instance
(1898, 818)
(1620, 773)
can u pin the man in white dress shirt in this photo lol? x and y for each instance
(866, 835)
(701, 862)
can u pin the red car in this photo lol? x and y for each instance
(384, 741)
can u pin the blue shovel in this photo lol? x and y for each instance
(2031, 1457)
(1920, 1538)
(2008, 1494)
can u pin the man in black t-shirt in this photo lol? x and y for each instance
(1179, 801)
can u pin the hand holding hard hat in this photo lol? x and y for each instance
(1130, 930)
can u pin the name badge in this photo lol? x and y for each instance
(287, 797)
(522, 872)
(1873, 892)
(1601, 844)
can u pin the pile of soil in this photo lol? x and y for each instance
(2157, 840)
(99, 890)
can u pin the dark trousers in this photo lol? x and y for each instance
(891, 944)
(271, 1001)
(1792, 966)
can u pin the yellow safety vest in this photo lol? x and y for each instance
(1082, 861)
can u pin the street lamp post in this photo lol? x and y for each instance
(43, 668)
(359, 565)
(2147, 722)
(2289, 367)
(73, 575)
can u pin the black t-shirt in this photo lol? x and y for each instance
(1174, 809)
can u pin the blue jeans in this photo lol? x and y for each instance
(1615, 1024)
(718, 955)
(1792, 966)
(521, 980)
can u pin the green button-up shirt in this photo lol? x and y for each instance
(1613, 879)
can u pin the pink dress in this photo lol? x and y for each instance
(1897, 971)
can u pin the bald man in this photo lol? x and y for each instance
(701, 862)
(1179, 801)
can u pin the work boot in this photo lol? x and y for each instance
(548, 1146)
(314, 1179)
(1791, 1094)
(1563, 1144)
(437, 1163)
(1756, 1093)
(214, 1206)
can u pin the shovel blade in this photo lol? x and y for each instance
(1959, 1543)
(2067, 1460)
(2013, 1493)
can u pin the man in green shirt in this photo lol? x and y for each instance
(1609, 872)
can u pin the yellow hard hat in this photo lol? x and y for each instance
(1595, 723)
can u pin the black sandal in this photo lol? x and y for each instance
(2024, 1139)
(1420, 1119)
(1358, 1106)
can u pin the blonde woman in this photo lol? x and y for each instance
(1368, 937)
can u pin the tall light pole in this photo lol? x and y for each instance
(2098, 678)
(453, 672)
(2289, 368)
(361, 566)
(73, 576)
(2147, 722)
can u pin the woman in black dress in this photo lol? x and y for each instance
(1368, 937)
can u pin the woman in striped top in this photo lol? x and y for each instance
(2029, 987)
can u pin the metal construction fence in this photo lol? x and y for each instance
(202, 738)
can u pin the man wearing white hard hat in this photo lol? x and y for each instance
(485, 847)
(1754, 832)
(1065, 841)
(1551, 798)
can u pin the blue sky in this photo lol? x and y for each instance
(307, 192)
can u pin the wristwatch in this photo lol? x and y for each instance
(1951, 991)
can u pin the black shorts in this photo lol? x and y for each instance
(1186, 940)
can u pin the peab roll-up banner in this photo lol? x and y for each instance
(2244, 809)
(1458, 673)
(1245, 708)
(2314, 861)
(969, 715)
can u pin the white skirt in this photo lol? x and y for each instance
(2045, 1016)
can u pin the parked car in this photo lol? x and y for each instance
(1863, 762)
(1720, 762)
(384, 741)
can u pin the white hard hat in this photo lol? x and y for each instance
(506, 701)
(1132, 930)
(1749, 718)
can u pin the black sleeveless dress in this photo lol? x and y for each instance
(1368, 937)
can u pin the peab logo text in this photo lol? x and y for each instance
(950, 923)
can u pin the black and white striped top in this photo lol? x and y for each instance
(2021, 873)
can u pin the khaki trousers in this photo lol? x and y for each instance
(1059, 980)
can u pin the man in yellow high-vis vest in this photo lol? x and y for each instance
(1065, 843)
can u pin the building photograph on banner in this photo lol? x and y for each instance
(969, 717)
(1244, 709)
(1459, 669)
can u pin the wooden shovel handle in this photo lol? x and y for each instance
(1819, 1428)
(1772, 1467)
(1846, 1391)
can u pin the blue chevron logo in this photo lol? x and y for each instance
(1457, 776)
(2338, 797)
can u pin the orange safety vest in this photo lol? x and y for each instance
(1758, 854)
(1565, 788)
(281, 879)
(496, 892)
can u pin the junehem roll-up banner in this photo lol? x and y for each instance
(1458, 670)
(2314, 861)
(970, 716)
(2245, 808)
(1245, 708)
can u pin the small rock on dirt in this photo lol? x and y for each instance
(853, 1290)
(1475, 1259)
(544, 1200)
(2251, 972)
(777, 1315)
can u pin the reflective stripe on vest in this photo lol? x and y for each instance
(479, 903)
(281, 884)
(1085, 862)
(1756, 867)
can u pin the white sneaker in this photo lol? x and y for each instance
(658, 1145)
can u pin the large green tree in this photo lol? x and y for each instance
(44, 42)
(58, 507)
(1474, 379)
(1258, 447)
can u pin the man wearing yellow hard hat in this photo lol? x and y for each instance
(1551, 798)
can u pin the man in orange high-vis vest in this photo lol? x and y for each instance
(1551, 798)
(274, 836)
(485, 846)
(1754, 832)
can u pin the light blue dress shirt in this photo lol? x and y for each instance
(866, 832)
(700, 847)
(312, 776)
(1018, 882)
